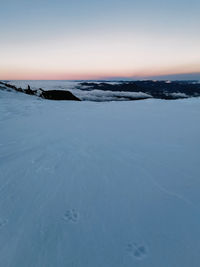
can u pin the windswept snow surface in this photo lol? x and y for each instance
(86, 184)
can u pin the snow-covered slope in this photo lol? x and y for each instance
(86, 184)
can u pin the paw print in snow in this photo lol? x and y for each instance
(71, 216)
(138, 251)
(3, 223)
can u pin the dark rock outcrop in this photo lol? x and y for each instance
(29, 91)
(51, 94)
(58, 95)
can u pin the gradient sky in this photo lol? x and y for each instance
(74, 39)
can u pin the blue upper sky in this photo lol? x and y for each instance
(93, 39)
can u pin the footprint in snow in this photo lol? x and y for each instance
(3, 223)
(71, 216)
(137, 250)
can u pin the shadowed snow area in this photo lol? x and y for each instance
(86, 184)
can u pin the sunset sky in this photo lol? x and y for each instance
(68, 39)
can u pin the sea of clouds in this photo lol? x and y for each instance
(84, 93)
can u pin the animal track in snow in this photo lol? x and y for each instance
(3, 223)
(138, 251)
(71, 216)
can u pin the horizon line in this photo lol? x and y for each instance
(172, 76)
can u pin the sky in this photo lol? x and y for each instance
(68, 39)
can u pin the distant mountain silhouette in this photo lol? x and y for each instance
(172, 77)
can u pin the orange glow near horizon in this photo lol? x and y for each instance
(34, 75)
(100, 58)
